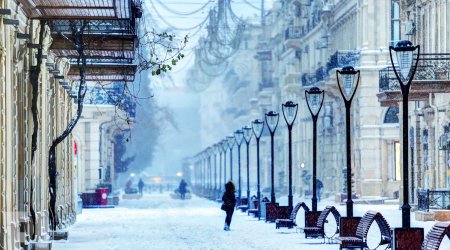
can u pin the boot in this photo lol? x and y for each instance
(225, 227)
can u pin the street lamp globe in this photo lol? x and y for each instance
(289, 112)
(247, 133)
(230, 141)
(239, 136)
(224, 145)
(314, 100)
(272, 118)
(257, 126)
(348, 79)
(404, 51)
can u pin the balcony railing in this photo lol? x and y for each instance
(110, 96)
(431, 67)
(121, 26)
(308, 79)
(387, 80)
(433, 199)
(343, 58)
(338, 60)
(293, 32)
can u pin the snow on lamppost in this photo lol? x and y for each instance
(290, 113)
(215, 150)
(404, 50)
(314, 100)
(272, 119)
(239, 137)
(224, 146)
(348, 80)
(258, 126)
(247, 137)
(210, 151)
(220, 150)
(230, 143)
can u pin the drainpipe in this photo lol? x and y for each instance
(437, 176)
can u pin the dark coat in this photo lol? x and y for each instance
(229, 199)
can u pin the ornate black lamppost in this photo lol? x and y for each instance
(224, 145)
(348, 80)
(272, 118)
(239, 137)
(290, 113)
(248, 136)
(404, 51)
(230, 143)
(210, 151)
(258, 126)
(314, 100)
(215, 150)
(220, 150)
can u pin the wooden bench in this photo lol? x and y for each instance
(243, 204)
(317, 231)
(290, 223)
(360, 239)
(283, 212)
(271, 212)
(254, 210)
(436, 235)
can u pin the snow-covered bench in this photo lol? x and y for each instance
(436, 235)
(317, 231)
(290, 223)
(359, 241)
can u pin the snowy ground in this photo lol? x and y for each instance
(159, 222)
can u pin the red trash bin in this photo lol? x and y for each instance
(102, 194)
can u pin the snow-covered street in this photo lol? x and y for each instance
(159, 222)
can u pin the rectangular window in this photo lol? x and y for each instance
(397, 166)
(395, 21)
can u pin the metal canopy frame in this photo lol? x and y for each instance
(78, 9)
(109, 36)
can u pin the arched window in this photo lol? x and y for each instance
(391, 115)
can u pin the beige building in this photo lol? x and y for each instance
(425, 23)
(304, 42)
(39, 79)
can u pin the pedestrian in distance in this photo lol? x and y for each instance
(319, 187)
(229, 202)
(182, 189)
(141, 186)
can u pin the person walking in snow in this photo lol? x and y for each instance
(182, 189)
(318, 188)
(141, 187)
(229, 202)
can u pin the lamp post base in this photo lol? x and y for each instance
(407, 238)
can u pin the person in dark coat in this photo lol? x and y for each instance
(318, 188)
(229, 202)
(182, 189)
(141, 187)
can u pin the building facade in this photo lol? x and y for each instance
(302, 44)
(425, 24)
(40, 79)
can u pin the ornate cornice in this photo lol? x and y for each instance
(344, 18)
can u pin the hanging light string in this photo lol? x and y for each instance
(172, 26)
(252, 5)
(183, 13)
